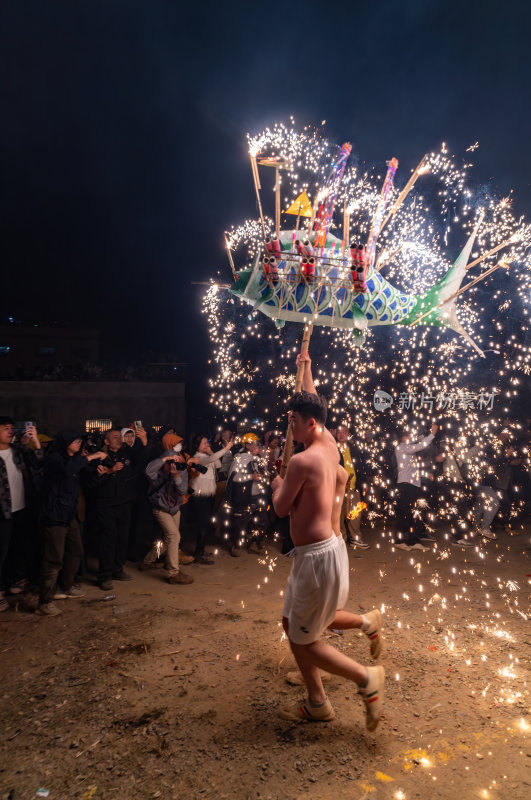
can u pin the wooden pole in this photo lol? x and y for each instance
(277, 202)
(288, 446)
(404, 193)
(231, 260)
(491, 252)
(346, 227)
(389, 257)
(257, 187)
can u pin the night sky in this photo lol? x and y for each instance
(123, 134)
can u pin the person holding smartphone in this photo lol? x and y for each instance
(19, 478)
(62, 548)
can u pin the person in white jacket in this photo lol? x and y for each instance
(204, 491)
(409, 530)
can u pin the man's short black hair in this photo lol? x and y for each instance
(309, 405)
(6, 421)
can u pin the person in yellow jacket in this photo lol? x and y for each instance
(352, 505)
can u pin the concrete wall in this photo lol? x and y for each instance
(53, 405)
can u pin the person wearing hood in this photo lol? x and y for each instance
(167, 487)
(62, 547)
(128, 436)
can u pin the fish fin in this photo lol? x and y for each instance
(358, 337)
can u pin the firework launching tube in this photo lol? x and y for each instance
(272, 245)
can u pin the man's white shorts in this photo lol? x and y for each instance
(317, 588)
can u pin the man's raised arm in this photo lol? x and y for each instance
(308, 384)
(307, 377)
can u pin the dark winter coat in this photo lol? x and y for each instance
(120, 487)
(61, 482)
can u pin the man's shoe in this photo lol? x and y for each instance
(302, 711)
(428, 537)
(74, 592)
(106, 585)
(59, 595)
(375, 632)
(122, 576)
(184, 559)
(402, 546)
(18, 587)
(461, 543)
(359, 543)
(487, 533)
(418, 546)
(4, 605)
(143, 567)
(203, 560)
(235, 552)
(372, 696)
(180, 577)
(48, 610)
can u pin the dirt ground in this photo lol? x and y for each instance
(172, 691)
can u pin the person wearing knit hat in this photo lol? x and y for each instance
(173, 442)
(168, 485)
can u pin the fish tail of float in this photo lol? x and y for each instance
(439, 301)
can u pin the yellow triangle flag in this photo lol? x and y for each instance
(301, 205)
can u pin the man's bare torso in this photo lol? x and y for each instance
(312, 510)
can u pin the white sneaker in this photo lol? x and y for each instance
(461, 543)
(358, 543)
(418, 546)
(375, 632)
(403, 546)
(373, 695)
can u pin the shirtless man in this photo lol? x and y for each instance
(318, 583)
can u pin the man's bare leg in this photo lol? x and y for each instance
(370, 624)
(310, 674)
(344, 620)
(318, 655)
(313, 657)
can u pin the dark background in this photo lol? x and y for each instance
(123, 148)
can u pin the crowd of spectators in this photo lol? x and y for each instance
(108, 498)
